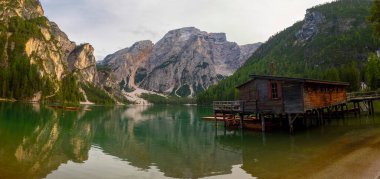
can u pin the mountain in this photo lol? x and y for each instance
(332, 37)
(183, 63)
(37, 60)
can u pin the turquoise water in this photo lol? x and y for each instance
(164, 142)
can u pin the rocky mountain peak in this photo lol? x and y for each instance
(126, 67)
(183, 63)
(141, 45)
(218, 37)
(312, 21)
(27, 9)
(82, 61)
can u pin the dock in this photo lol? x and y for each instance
(270, 102)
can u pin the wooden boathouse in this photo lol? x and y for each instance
(283, 98)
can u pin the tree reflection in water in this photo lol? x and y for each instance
(36, 140)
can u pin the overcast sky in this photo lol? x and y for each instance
(110, 25)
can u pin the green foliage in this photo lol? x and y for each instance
(19, 79)
(97, 95)
(69, 90)
(373, 72)
(343, 37)
(332, 74)
(350, 74)
(374, 18)
(184, 91)
(103, 68)
(122, 84)
(157, 99)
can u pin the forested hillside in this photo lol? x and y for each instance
(332, 43)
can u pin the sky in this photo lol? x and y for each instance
(111, 25)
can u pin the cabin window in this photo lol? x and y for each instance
(274, 90)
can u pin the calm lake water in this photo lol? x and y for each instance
(168, 142)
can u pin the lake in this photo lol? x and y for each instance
(173, 142)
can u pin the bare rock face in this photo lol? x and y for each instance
(82, 62)
(47, 55)
(42, 51)
(51, 50)
(184, 62)
(27, 9)
(127, 66)
(64, 42)
(311, 26)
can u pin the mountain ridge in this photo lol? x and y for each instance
(182, 63)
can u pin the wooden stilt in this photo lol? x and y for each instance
(291, 122)
(225, 122)
(355, 112)
(216, 119)
(321, 116)
(329, 112)
(263, 124)
(369, 108)
(241, 120)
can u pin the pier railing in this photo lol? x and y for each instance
(363, 95)
(235, 106)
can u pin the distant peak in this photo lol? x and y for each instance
(185, 29)
(142, 44)
(218, 37)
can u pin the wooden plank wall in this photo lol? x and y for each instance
(265, 103)
(248, 94)
(293, 97)
(245, 92)
(323, 96)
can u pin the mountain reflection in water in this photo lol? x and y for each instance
(173, 142)
(36, 140)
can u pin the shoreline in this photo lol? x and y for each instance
(7, 100)
(354, 155)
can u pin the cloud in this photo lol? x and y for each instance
(114, 24)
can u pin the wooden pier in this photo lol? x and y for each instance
(268, 102)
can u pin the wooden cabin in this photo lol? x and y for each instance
(283, 95)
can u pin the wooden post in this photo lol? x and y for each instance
(369, 108)
(225, 122)
(329, 112)
(241, 120)
(263, 124)
(321, 111)
(372, 108)
(291, 122)
(216, 119)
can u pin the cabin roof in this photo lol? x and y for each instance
(301, 80)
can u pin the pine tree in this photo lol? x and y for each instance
(373, 72)
(374, 18)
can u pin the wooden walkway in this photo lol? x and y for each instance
(361, 96)
(364, 100)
